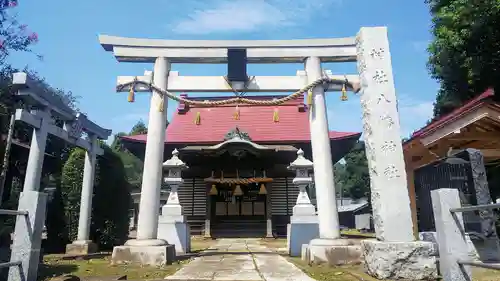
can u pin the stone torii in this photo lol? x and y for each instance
(369, 48)
(74, 124)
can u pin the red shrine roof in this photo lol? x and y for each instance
(455, 114)
(257, 121)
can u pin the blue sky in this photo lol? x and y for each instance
(74, 60)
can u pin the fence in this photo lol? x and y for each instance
(455, 261)
(27, 239)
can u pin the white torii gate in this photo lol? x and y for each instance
(370, 48)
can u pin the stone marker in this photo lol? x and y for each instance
(395, 253)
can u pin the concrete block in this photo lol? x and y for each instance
(451, 238)
(400, 260)
(334, 252)
(176, 233)
(27, 238)
(299, 234)
(144, 255)
(81, 248)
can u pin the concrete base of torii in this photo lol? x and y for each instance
(144, 252)
(81, 248)
(332, 251)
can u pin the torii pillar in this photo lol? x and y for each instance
(146, 249)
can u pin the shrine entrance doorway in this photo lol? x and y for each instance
(238, 211)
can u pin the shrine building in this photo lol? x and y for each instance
(238, 184)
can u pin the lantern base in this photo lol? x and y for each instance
(176, 233)
(173, 227)
(301, 232)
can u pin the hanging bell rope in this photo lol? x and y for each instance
(213, 190)
(262, 189)
(355, 87)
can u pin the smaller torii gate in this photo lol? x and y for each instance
(40, 107)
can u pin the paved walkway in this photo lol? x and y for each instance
(240, 259)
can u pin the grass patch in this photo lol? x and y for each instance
(324, 272)
(481, 274)
(54, 266)
(356, 233)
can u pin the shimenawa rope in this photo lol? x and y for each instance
(240, 99)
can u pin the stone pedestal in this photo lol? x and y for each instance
(332, 251)
(400, 260)
(303, 227)
(172, 227)
(81, 248)
(301, 233)
(144, 252)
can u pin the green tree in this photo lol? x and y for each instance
(353, 176)
(71, 188)
(117, 145)
(465, 52)
(110, 222)
(133, 165)
(139, 129)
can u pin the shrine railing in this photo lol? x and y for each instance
(12, 213)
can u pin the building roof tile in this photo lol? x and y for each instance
(256, 120)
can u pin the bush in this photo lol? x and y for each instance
(71, 189)
(112, 202)
(57, 233)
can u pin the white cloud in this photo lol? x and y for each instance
(248, 15)
(414, 113)
(346, 116)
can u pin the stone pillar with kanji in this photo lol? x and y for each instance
(172, 224)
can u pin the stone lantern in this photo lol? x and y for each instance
(172, 225)
(303, 226)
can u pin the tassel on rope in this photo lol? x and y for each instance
(236, 114)
(344, 93)
(161, 106)
(197, 119)
(309, 97)
(276, 116)
(131, 94)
